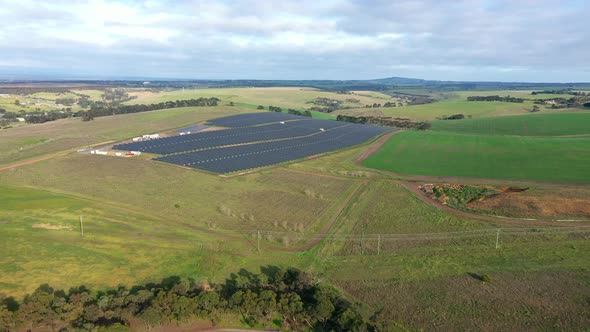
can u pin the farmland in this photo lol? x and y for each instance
(550, 124)
(297, 98)
(386, 249)
(30, 141)
(492, 157)
(456, 103)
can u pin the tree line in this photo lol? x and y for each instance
(386, 121)
(293, 299)
(508, 99)
(290, 111)
(97, 110)
(560, 92)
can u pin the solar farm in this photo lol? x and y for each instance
(255, 140)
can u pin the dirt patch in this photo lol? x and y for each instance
(52, 227)
(521, 205)
(414, 188)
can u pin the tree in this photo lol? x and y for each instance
(535, 108)
(87, 116)
(323, 308)
(260, 107)
(291, 308)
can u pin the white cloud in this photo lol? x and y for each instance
(526, 40)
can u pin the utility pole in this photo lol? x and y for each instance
(497, 237)
(363, 243)
(378, 244)
(81, 226)
(258, 237)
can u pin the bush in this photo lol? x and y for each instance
(486, 278)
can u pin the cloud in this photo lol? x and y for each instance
(338, 39)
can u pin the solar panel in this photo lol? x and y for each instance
(192, 129)
(197, 141)
(255, 140)
(237, 158)
(253, 119)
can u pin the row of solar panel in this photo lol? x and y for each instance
(217, 138)
(231, 159)
(192, 129)
(253, 119)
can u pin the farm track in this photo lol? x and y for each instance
(47, 157)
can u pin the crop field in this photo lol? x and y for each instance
(33, 140)
(552, 124)
(493, 157)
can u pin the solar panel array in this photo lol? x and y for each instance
(256, 140)
(253, 119)
(204, 140)
(192, 129)
(237, 158)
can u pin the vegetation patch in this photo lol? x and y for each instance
(286, 298)
(457, 195)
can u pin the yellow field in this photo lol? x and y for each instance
(285, 97)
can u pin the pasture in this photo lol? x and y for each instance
(42, 244)
(428, 112)
(550, 124)
(456, 103)
(34, 140)
(284, 97)
(492, 157)
(301, 203)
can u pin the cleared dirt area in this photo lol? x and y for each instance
(538, 203)
(413, 187)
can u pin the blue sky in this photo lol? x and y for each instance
(486, 40)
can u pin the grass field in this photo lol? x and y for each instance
(301, 203)
(414, 264)
(33, 140)
(456, 103)
(285, 97)
(552, 124)
(119, 246)
(494, 157)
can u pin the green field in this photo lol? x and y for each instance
(456, 103)
(412, 265)
(493, 157)
(33, 140)
(42, 243)
(552, 124)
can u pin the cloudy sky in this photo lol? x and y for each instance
(491, 40)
